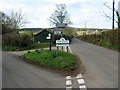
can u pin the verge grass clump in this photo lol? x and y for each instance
(53, 59)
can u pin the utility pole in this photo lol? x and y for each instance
(85, 24)
(113, 14)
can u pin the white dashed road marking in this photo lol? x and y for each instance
(79, 76)
(80, 81)
(68, 77)
(68, 82)
(83, 87)
(70, 87)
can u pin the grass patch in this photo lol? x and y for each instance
(24, 32)
(53, 59)
(100, 43)
(107, 45)
(9, 48)
(41, 45)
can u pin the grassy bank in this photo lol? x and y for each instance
(107, 45)
(103, 44)
(53, 59)
(108, 39)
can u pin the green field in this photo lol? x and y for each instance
(53, 59)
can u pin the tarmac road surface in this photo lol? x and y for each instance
(18, 74)
(101, 64)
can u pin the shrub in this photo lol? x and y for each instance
(94, 38)
(28, 51)
(36, 50)
(110, 37)
(16, 40)
(8, 48)
(107, 39)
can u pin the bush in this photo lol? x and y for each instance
(94, 38)
(28, 51)
(9, 48)
(16, 40)
(110, 37)
(107, 39)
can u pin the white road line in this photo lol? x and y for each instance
(79, 76)
(83, 87)
(68, 82)
(70, 87)
(68, 77)
(81, 81)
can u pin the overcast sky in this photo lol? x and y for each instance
(81, 11)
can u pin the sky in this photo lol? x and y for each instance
(80, 11)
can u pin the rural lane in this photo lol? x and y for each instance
(18, 74)
(101, 64)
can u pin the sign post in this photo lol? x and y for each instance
(62, 43)
(49, 38)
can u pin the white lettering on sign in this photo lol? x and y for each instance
(62, 42)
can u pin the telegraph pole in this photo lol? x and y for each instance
(113, 14)
(85, 24)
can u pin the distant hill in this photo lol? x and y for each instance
(54, 28)
(32, 29)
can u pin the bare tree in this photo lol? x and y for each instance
(108, 16)
(60, 11)
(18, 19)
(118, 16)
(13, 22)
(5, 21)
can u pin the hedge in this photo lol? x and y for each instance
(107, 38)
(16, 40)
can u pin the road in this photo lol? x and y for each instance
(18, 74)
(101, 64)
(101, 69)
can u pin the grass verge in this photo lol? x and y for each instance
(115, 47)
(34, 46)
(103, 44)
(53, 59)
